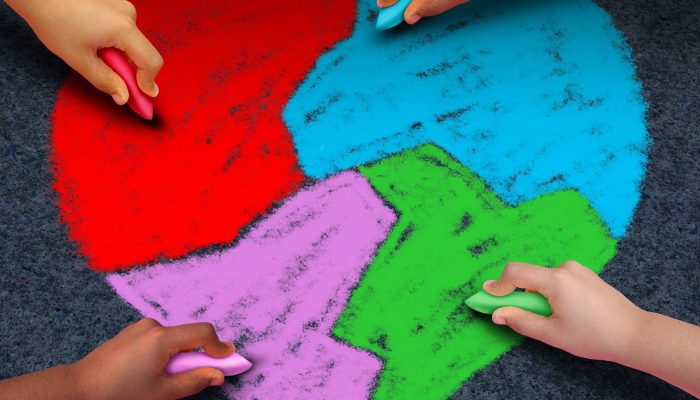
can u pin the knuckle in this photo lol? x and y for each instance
(123, 24)
(569, 264)
(560, 276)
(207, 329)
(158, 329)
(510, 269)
(157, 332)
(558, 272)
(515, 323)
(156, 61)
(150, 322)
(129, 9)
(104, 84)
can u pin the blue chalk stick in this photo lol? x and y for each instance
(391, 16)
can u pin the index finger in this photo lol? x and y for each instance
(428, 8)
(198, 335)
(521, 275)
(145, 56)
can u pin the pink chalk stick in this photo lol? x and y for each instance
(232, 365)
(140, 102)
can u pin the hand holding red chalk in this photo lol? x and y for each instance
(138, 100)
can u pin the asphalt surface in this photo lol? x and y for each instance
(54, 309)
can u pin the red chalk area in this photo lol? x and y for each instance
(219, 155)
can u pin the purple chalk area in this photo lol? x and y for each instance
(278, 292)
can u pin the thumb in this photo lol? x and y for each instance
(104, 79)
(193, 381)
(523, 322)
(414, 12)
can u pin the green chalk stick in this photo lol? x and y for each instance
(486, 303)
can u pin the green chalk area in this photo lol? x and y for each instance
(453, 232)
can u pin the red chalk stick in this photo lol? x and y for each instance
(140, 102)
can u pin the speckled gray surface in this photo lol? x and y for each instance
(54, 309)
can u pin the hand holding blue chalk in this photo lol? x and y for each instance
(391, 16)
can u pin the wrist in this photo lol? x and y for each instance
(22, 7)
(34, 12)
(75, 374)
(633, 341)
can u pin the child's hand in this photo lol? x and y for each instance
(423, 8)
(75, 29)
(130, 365)
(589, 317)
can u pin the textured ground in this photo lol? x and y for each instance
(54, 308)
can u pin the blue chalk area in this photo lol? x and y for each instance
(534, 96)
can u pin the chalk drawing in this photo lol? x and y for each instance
(502, 130)
(533, 96)
(452, 234)
(220, 156)
(278, 292)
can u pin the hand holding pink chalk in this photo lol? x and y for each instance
(140, 102)
(231, 365)
(75, 30)
(131, 365)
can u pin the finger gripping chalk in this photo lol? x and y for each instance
(231, 365)
(486, 303)
(141, 103)
(391, 16)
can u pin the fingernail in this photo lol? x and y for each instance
(156, 90)
(412, 19)
(489, 283)
(118, 99)
(230, 346)
(218, 381)
(498, 320)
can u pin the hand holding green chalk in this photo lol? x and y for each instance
(486, 303)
